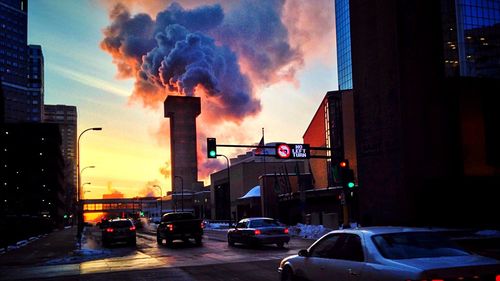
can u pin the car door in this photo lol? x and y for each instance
(236, 233)
(319, 264)
(349, 256)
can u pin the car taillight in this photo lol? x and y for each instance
(257, 232)
(170, 227)
(109, 229)
(497, 278)
(430, 279)
(132, 228)
(285, 231)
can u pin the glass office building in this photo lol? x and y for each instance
(35, 94)
(343, 33)
(471, 37)
(13, 58)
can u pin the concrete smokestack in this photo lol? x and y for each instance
(182, 111)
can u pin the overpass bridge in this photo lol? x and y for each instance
(128, 205)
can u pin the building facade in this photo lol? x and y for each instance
(35, 87)
(14, 60)
(343, 33)
(244, 173)
(32, 194)
(426, 124)
(66, 117)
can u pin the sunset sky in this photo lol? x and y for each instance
(266, 64)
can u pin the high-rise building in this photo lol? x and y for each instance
(66, 117)
(471, 37)
(14, 59)
(426, 80)
(35, 89)
(343, 32)
(31, 166)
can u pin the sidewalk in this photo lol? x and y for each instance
(57, 244)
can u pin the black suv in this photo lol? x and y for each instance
(118, 230)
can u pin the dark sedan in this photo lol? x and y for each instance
(258, 231)
(118, 230)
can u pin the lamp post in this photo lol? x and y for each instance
(182, 191)
(161, 199)
(80, 206)
(83, 189)
(228, 177)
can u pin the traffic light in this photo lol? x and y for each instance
(211, 148)
(346, 175)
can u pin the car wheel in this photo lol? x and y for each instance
(198, 241)
(133, 242)
(159, 240)
(280, 244)
(287, 274)
(230, 241)
(168, 242)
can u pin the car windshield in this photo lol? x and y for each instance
(120, 224)
(177, 216)
(263, 223)
(416, 245)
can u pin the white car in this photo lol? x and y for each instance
(386, 254)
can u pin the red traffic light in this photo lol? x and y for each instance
(343, 164)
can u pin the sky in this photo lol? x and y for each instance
(254, 63)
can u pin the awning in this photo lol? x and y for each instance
(254, 192)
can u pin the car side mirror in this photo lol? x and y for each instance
(303, 253)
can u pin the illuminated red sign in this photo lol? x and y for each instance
(292, 151)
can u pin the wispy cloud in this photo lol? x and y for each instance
(89, 80)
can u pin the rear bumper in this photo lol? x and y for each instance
(172, 236)
(269, 239)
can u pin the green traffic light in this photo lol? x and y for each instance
(212, 153)
(350, 185)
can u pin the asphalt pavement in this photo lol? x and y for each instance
(59, 243)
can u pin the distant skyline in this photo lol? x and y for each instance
(131, 153)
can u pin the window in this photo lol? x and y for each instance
(241, 225)
(325, 247)
(411, 245)
(263, 223)
(339, 246)
(351, 249)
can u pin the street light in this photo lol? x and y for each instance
(80, 206)
(161, 199)
(182, 191)
(88, 167)
(85, 191)
(78, 158)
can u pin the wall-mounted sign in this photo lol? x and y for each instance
(292, 151)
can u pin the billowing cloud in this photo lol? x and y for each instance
(221, 51)
(112, 192)
(150, 189)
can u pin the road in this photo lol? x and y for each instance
(214, 260)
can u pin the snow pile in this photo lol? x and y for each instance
(299, 230)
(308, 231)
(216, 225)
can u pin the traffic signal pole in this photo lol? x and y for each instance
(345, 210)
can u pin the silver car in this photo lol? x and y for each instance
(258, 231)
(386, 254)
